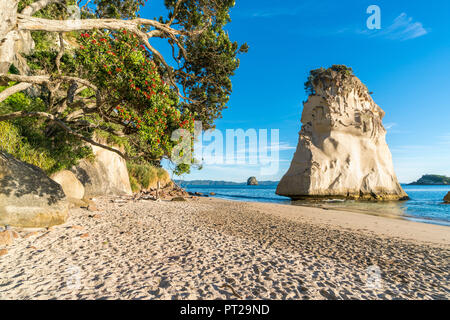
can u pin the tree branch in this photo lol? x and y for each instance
(60, 52)
(61, 124)
(14, 89)
(44, 79)
(26, 22)
(175, 11)
(162, 30)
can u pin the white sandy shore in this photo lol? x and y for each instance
(208, 248)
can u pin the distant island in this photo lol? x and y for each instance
(432, 179)
(221, 183)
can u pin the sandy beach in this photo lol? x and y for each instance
(207, 248)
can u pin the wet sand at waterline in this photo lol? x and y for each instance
(217, 249)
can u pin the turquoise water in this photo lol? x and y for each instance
(426, 203)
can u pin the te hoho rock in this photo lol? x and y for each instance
(342, 150)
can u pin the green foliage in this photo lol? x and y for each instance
(144, 176)
(317, 74)
(117, 9)
(13, 143)
(36, 141)
(139, 111)
(131, 84)
(211, 57)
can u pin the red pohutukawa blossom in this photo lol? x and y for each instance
(147, 105)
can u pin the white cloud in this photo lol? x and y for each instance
(389, 125)
(402, 28)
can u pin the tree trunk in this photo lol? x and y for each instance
(8, 33)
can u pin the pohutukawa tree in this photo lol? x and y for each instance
(102, 74)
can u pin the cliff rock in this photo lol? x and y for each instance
(342, 150)
(72, 187)
(105, 175)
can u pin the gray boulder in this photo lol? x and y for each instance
(28, 198)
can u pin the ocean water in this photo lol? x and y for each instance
(426, 203)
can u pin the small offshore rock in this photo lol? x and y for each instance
(252, 181)
(447, 198)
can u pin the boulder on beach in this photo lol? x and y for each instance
(342, 150)
(28, 197)
(447, 198)
(71, 186)
(106, 175)
(6, 238)
(252, 181)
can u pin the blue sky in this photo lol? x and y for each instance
(406, 64)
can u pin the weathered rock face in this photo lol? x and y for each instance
(447, 198)
(106, 175)
(72, 187)
(342, 150)
(252, 181)
(28, 198)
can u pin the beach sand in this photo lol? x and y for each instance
(208, 248)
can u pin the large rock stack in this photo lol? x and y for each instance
(342, 150)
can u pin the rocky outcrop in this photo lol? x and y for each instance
(71, 186)
(105, 175)
(252, 181)
(447, 198)
(342, 150)
(28, 198)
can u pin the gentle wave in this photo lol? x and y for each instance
(426, 204)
